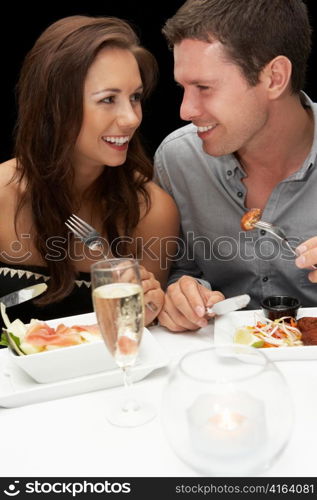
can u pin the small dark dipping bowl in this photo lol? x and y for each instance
(277, 306)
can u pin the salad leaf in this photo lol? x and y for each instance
(9, 339)
(14, 343)
(14, 338)
(4, 339)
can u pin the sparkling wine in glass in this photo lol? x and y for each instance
(118, 302)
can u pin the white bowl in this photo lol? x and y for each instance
(67, 362)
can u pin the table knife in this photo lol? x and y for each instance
(229, 305)
(19, 296)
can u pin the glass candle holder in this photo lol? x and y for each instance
(227, 411)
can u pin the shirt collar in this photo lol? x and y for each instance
(312, 156)
(233, 167)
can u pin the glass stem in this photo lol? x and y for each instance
(130, 404)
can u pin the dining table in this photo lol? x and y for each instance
(70, 436)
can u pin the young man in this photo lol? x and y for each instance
(250, 144)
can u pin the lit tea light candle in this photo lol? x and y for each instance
(228, 425)
(227, 421)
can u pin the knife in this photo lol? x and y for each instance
(28, 293)
(229, 305)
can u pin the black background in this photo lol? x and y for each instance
(23, 23)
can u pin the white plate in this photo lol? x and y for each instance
(19, 389)
(226, 325)
(67, 362)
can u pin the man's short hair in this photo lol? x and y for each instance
(253, 32)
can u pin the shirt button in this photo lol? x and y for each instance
(262, 232)
(265, 279)
(229, 172)
(240, 194)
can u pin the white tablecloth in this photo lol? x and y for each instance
(71, 436)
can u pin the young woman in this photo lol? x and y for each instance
(78, 151)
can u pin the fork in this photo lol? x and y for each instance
(92, 239)
(88, 234)
(278, 233)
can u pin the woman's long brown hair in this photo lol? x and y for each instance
(50, 103)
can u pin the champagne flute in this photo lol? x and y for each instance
(118, 302)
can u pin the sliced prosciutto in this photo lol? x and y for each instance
(94, 329)
(40, 334)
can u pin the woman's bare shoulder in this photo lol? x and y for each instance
(160, 199)
(163, 210)
(7, 171)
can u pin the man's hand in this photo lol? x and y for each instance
(185, 305)
(307, 252)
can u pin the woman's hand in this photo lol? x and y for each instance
(152, 293)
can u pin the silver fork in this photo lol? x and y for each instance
(92, 239)
(278, 233)
(88, 234)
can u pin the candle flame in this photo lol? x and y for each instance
(227, 420)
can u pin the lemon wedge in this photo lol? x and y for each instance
(245, 337)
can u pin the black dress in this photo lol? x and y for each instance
(16, 276)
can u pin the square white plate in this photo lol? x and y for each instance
(69, 361)
(226, 325)
(17, 388)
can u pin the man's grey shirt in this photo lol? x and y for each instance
(210, 195)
